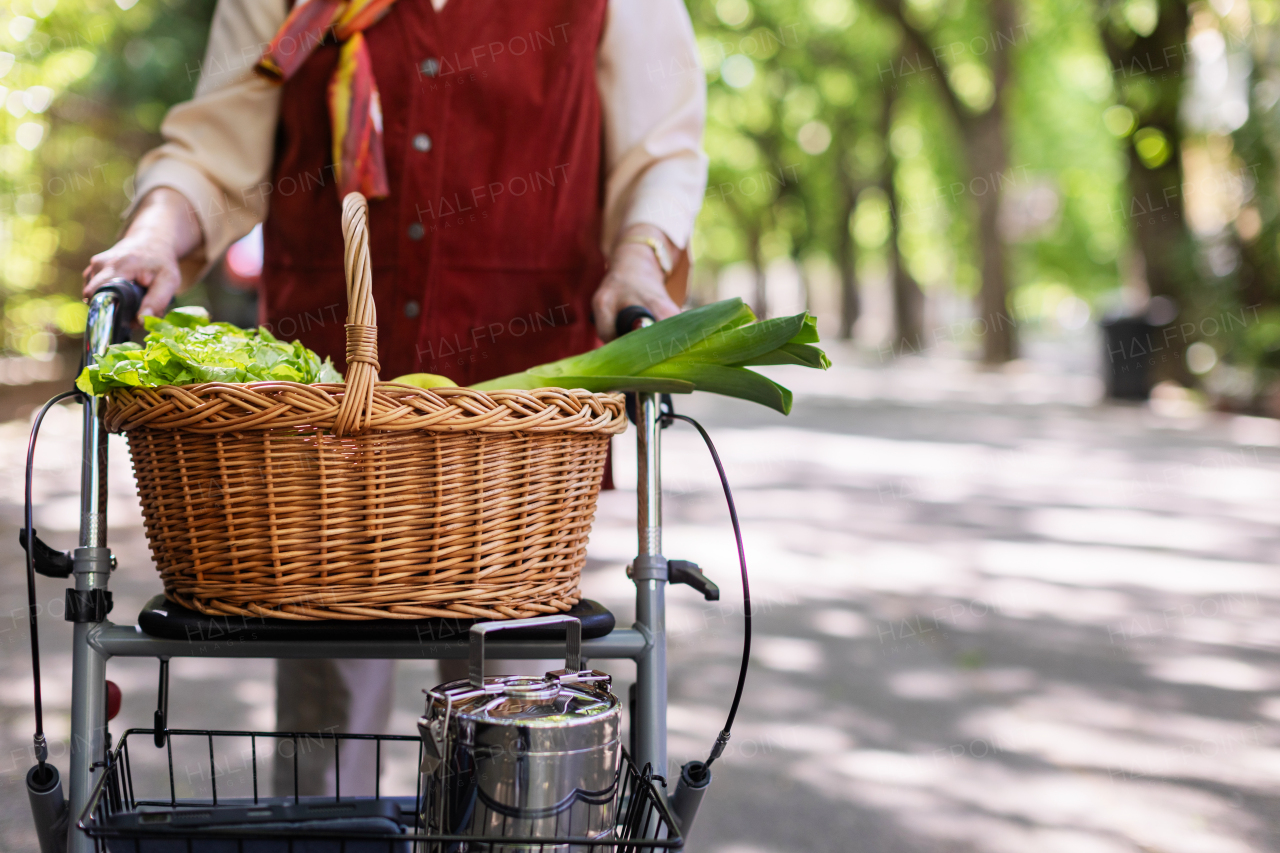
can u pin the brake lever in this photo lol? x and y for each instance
(687, 572)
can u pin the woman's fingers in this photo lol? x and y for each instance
(160, 293)
(99, 272)
(661, 305)
(116, 262)
(619, 290)
(605, 308)
(635, 278)
(155, 268)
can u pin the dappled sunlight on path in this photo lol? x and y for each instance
(993, 617)
(994, 622)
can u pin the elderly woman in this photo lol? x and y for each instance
(532, 167)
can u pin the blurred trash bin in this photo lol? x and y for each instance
(1128, 345)
(1131, 366)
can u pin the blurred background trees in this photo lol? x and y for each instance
(85, 87)
(962, 176)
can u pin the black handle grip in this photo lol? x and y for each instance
(629, 316)
(130, 293)
(626, 322)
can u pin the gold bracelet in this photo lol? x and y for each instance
(665, 262)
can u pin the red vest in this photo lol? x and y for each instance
(487, 252)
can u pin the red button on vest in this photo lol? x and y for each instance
(486, 254)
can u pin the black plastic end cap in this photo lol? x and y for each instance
(696, 774)
(629, 316)
(42, 778)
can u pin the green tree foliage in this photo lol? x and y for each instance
(85, 85)
(1006, 152)
(918, 129)
(1249, 349)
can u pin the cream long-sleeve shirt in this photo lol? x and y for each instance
(218, 146)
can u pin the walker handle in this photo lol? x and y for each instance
(572, 639)
(629, 316)
(129, 293)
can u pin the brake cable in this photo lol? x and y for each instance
(41, 746)
(723, 738)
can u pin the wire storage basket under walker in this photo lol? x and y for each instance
(213, 799)
(369, 499)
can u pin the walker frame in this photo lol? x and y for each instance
(96, 642)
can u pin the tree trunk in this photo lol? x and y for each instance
(1154, 210)
(760, 302)
(908, 298)
(988, 157)
(986, 154)
(802, 275)
(1259, 264)
(847, 258)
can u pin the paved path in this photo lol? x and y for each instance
(992, 616)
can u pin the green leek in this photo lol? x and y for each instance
(706, 349)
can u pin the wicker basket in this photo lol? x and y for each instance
(367, 500)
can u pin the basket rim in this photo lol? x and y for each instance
(226, 407)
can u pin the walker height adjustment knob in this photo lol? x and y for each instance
(686, 572)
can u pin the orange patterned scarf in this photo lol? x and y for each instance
(355, 113)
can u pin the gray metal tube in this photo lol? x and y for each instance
(649, 479)
(695, 778)
(49, 809)
(650, 721)
(92, 571)
(88, 726)
(651, 680)
(93, 474)
(128, 641)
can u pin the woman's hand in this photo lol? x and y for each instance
(634, 278)
(163, 230)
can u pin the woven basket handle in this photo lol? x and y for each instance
(356, 409)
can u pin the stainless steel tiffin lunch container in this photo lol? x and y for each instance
(521, 756)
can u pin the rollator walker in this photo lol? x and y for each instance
(102, 808)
